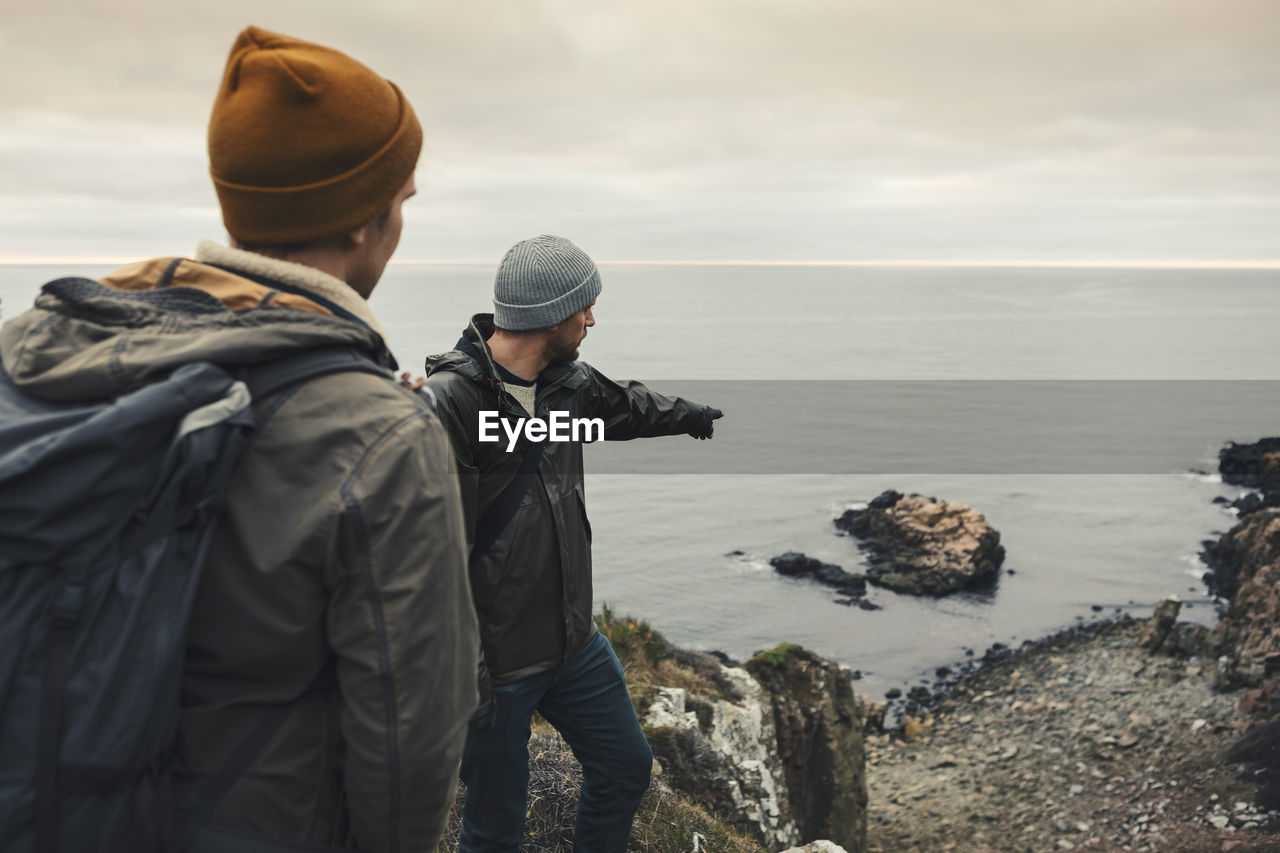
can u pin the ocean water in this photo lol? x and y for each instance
(1116, 535)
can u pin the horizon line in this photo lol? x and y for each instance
(1145, 263)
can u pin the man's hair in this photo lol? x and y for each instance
(277, 249)
(522, 333)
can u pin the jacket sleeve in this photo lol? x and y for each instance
(403, 629)
(460, 422)
(630, 410)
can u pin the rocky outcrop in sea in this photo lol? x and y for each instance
(923, 546)
(796, 565)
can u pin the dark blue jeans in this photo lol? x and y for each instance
(586, 700)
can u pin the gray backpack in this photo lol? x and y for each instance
(106, 512)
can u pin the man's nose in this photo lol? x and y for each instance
(591, 318)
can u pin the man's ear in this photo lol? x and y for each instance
(357, 237)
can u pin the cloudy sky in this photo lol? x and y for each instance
(698, 130)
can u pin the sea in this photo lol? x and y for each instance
(811, 365)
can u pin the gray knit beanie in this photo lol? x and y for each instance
(542, 281)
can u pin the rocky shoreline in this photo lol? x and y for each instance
(1085, 740)
(1142, 735)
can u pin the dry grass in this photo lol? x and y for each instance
(650, 662)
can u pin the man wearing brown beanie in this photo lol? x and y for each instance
(330, 657)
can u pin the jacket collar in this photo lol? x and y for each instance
(472, 358)
(330, 291)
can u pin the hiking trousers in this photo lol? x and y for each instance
(586, 700)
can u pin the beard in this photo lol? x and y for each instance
(562, 351)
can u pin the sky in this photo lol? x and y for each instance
(770, 130)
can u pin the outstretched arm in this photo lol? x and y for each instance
(630, 410)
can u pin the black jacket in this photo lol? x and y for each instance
(532, 588)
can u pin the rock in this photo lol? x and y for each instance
(793, 564)
(817, 847)
(1187, 640)
(1248, 504)
(667, 709)
(1247, 570)
(921, 546)
(1246, 546)
(778, 751)
(1161, 623)
(919, 697)
(818, 721)
(1255, 465)
(873, 716)
(729, 765)
(913, 728)
(1260, 748)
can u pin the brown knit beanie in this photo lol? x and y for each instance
(305, 142)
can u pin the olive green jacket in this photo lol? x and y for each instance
(336, 582)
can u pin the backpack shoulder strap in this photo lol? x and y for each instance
(272, 376)
(263, 380)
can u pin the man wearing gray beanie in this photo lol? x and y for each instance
(530, 559)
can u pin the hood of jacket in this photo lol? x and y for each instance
(470, 356)
(87, 340)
